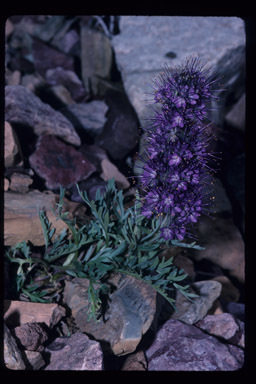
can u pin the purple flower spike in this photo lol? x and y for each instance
(176, 172)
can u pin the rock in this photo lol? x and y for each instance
(75, 353)
(54, 31)
(18, 52)
(46, 57)
(183, 347)
(183, 262)
(21, 216)
(31, 336)
(141, 49)
(20, 182)
(32, 81)
(236, 116)
(87, 116)
(8, 28)
(61, 94)
(12, 355)
(91, 186)
(135, 362)
(23, 107)
(35, 359)
(221, 201)
(129, 315)
(94, 154)
(59, 163)
(236, 309)
(110, 171)
(235, 177)
(13, 78)
(6, 184)
(21, 312)
(68, 43)
(96, 58)
(67, 78)
(120, 134)
(12, 153)
(191, 312)
(223, 245)
(224, 326)
(228, 292)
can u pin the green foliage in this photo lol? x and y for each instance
(114, 240)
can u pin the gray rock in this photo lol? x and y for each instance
(131, 311)
(221, 201)
(236, 181)
(75, 353)
(96, 58)
(12, 355)
(183, 347)
(61, 76)
(236, 116)
(120, 134)
(145, 43)
(191, 312)
(89, 116)
(224, 326)
(35, 360)
(23, 107)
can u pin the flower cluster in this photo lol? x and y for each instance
(175, 168)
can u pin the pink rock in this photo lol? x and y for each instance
(20, 312)
(225, 326)
(59, 163)
(31, 336)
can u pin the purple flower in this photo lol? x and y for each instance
(176, 169)
(174, 159)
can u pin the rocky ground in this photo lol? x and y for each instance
(74, 105)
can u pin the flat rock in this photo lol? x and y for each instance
(131, 311)
(21, 312)
(31, 336)
(12, 355)
(141, 49)
(24, 108)
(59, 163)
(12, 152)
(223, 245)
(21, 216)
(88, 116)
(75, 353)
(183, 347)
(224, 326)
(191, 312)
